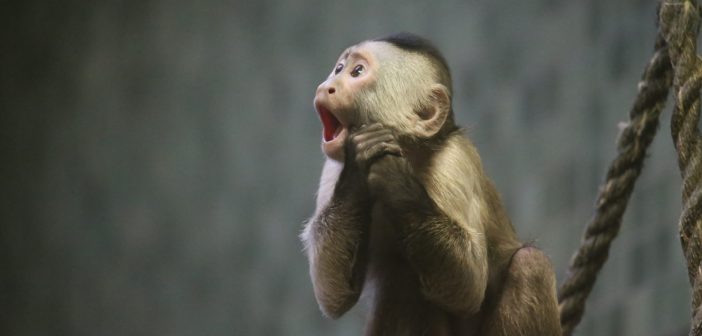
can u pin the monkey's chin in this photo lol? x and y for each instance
(334, 148)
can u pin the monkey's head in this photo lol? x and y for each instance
(401, 81)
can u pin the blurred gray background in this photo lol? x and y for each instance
(159, 158)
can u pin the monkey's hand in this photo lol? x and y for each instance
(379, 155)
(369, 143)
(363, 146)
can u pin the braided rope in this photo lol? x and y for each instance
(614, 194)
(679, 21)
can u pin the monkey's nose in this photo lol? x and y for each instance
(331, 90)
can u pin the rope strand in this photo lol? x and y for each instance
(679, 21)
(614, 194)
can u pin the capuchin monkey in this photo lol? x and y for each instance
(405, 214)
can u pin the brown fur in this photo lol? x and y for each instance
(413, 222)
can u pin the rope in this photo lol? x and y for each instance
(679, 21)
(614, 194)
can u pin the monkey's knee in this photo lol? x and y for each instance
(528, 304)
(531, 267)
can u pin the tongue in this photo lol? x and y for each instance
(331, 125)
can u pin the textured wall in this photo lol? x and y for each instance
(158, 159)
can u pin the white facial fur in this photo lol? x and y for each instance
(402, 72)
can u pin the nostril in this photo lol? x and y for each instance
(332, 90)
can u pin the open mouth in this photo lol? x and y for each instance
(332, 126)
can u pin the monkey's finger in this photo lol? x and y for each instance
(391, 149)
(371, 152)
(370, 142)
(381, 135)
(378, 150)
(381, 150)
(373, 127)
(353, 129)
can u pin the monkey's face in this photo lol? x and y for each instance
(336, 99)
(376, 82)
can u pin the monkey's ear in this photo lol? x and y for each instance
(434, 114)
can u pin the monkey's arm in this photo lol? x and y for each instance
(451, 259)
(336, 241)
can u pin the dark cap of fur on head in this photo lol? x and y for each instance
(415, 43)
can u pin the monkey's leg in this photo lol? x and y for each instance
(527, 305)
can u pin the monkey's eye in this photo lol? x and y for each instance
(357, 70)
(338, 68)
